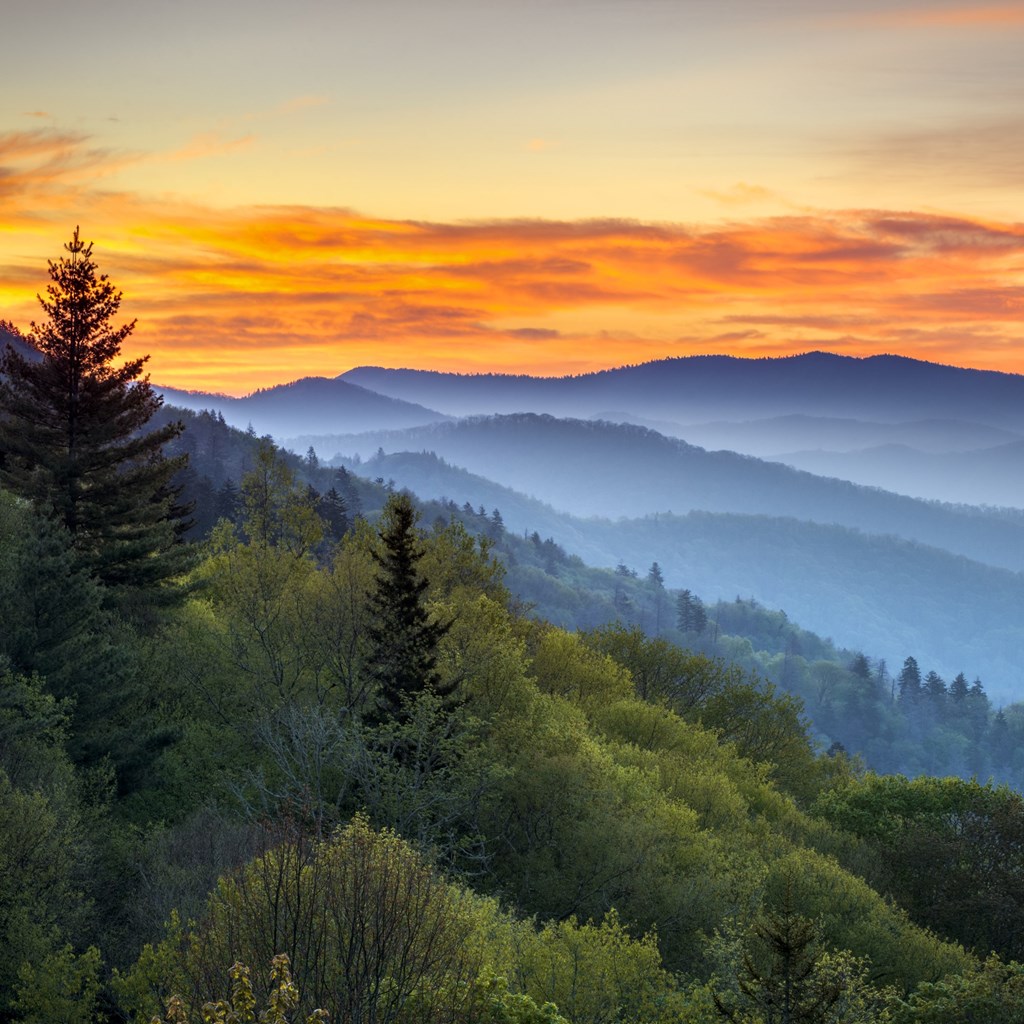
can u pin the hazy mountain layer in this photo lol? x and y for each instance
(614, 470)
(310, 404)
(990, 476)
(697, 389)
(20, 346)
(881, 594)
(768, 437)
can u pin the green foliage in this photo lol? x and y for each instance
(565, 666)
(853, 916)
(991, 993)
(363, 919)
(375, 933)
(62, 987)
(276, 510)
(38, 896)
(951, 852)
(777, 970)
(596, 973)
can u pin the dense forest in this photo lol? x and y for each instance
(275, 740)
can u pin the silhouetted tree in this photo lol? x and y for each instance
(403, 637)
(71, 434)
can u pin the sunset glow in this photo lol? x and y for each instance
(583, 215)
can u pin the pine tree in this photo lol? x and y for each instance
(958, 689)
(72, 440)
(910, 682)
(785, 976)
(692, 617)
(403, 638)
(334, 512)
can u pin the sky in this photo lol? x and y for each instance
(541, 186)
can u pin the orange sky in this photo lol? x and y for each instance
(459, 186)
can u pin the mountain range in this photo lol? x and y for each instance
(593, 468)
(698, 389)
(312, 403)
(872, 568)
(878, 593)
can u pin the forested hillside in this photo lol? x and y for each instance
(878, 593)
(851, 694)
(323, 757)
(581, 778)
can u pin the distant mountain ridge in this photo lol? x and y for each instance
(985, 476)
(693, 389)
(768, 437)
(882, 594)
(592, 468)
(20, 345)
(308, 404)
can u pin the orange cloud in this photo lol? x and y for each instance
(992, 15)
(232, 299)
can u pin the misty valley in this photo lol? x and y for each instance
(408, 697)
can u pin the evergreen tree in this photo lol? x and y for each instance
(860, 667)
(785, 976)
(910, 682)
(691, 616)
(403, 638)
(935, 690)
(958, 689)
(71, 434)
(347, 489)
(228, 501)
(334, 512)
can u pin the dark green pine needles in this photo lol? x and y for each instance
(72, 436)
(403, 637)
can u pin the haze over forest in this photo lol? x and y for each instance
(512, 513)
(604, 465)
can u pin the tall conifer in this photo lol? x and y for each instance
(72, 434)
(403, 638)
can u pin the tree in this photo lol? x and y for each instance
(334, 512)
(779, 973)
(909, 682)
(368, 926)
(949, 851)
(403, 637)
(992, 992)
(71, 433)
(241, 1007)
(958, 689)
(691, 614)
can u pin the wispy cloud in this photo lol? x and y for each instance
(236, 298)
(997, 16)
(208, 144)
